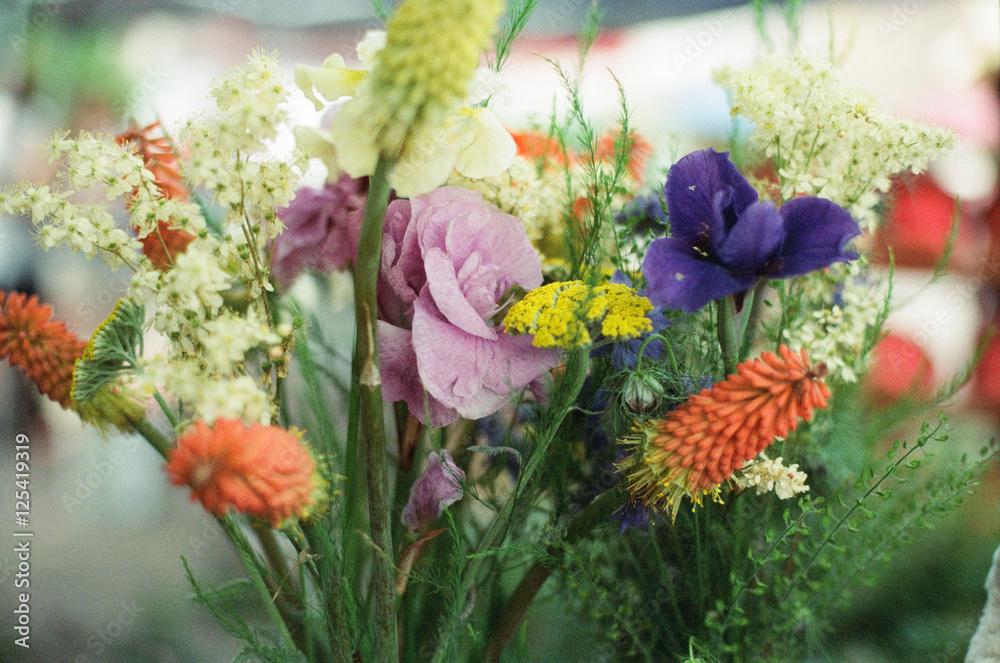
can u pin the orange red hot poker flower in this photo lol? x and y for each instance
(42, 348)
(699, 445)
(264, 471)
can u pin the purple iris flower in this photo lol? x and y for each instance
(723, 240)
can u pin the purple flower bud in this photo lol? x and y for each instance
(438, 487)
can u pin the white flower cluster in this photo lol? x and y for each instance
(825, 138)
(205, 367)
(87, 162)
(227, 156)
(206, 395)
(186, 296)
(768, 475)
(842, 304)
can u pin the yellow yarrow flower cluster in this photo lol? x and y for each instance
(564, 314)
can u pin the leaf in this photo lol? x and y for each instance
(496, 451)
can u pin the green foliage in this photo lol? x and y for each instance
(113, 350)
(512, 25)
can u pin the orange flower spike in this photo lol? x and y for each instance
(699, 445)
(43, 349)
(167, 241)
(263, 471)
(158, 154)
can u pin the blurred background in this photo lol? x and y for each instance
(106, 578)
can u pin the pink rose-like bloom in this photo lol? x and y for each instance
(322, 227)
(448, 257)
(436, 489)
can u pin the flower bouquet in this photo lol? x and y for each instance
(563, 377)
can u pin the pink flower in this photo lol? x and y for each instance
(322, 227)
(447, 259)
(436, 489)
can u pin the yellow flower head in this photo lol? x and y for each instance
(564, 314)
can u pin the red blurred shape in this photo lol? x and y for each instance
(899, 368)
(918, 225)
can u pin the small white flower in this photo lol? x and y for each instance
(766, 475)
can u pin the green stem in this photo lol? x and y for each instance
(372, 439)
(253, 567)
(565, 393)
(733, 326)
(153, 436)
(596, 513)
(331, 585)
(756, 306)
(729, 338)
(166, 408)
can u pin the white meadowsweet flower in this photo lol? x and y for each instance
(827, 139)
(235, 398)
(844, 302)
(228, 338)
(89, 229)
(766, 475)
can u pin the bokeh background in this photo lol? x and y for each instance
(106, 578)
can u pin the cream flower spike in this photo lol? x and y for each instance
(436, 125)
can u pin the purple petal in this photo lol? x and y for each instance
(678, 278)
(816, 231)
(401, 277)
(438, 487)
(692, 201)
(451, 300)
(473, 375)
(401, 379)
(321, 230)
(754, 241)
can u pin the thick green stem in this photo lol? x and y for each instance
(153, 436)
(372, 439)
